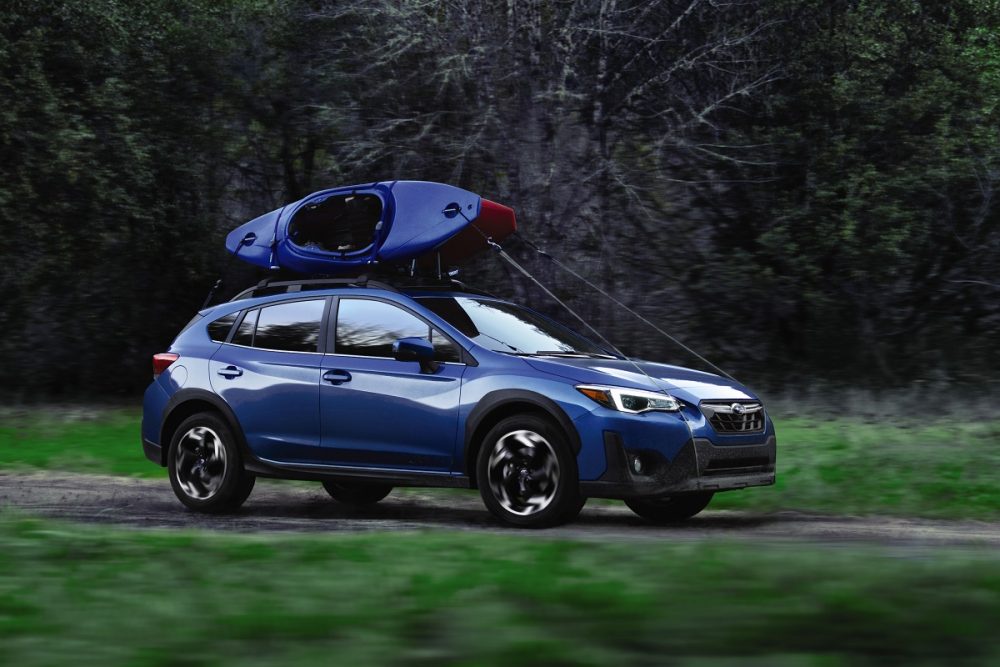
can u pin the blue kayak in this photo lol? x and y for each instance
(345, 230)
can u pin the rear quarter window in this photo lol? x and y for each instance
(218, 330)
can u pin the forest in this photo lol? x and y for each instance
(803, 191)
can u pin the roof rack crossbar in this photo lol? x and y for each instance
(296, 285)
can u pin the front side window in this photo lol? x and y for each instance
(369, 328)
(292, 326)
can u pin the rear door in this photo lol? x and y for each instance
(379, 412)
(269, 374)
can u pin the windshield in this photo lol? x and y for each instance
(506, 327)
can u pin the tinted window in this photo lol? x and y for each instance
(506, 327)
(244, 335)
(444, 349)
(293, 327)
(219, 329)
(369, 328)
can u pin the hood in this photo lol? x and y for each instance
(686, 384)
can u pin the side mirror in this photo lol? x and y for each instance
(415, 349)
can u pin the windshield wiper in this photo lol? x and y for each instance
(573, 353)
(514, 349)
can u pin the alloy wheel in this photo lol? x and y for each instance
(200, 463)
(523, 472)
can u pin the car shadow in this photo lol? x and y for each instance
(405, 513)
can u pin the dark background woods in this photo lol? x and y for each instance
(800, 190)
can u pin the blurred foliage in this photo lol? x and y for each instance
(108, 597)
(886, 463)
(799, 189)
(878, 235)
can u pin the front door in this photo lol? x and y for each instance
(379, 412)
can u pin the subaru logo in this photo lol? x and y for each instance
(737, 408)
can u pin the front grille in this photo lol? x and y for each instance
(735, 417)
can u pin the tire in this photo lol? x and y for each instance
(206, 471)
(670, 509)
(357, 493)
(527, 475)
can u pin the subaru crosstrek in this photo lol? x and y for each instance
(365, 387)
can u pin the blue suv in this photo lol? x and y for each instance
(363, 386)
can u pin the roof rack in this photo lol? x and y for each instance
(453, 284)
(268, 286)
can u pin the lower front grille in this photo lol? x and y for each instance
(745, 465)
(735, 417)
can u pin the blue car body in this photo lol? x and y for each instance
(323, 415)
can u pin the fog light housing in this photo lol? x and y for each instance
(638, 467)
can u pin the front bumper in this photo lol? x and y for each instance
(698, 466)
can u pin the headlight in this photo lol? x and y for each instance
(632, 401)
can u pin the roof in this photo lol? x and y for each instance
(269, 287)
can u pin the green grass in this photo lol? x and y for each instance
(83, 595)
(947, 469)
(98, 440)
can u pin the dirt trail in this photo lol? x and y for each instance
(276, 506)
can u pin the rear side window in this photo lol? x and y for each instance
(244, 335)
(219, 329)
(369, 328)
(292, 326)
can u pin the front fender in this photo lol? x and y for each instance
(499, 401)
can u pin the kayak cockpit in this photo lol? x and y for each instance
(343, 224)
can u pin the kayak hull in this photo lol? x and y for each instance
(351, 229)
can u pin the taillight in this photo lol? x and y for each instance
(162, 361)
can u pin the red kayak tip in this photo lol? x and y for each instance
(495, 222)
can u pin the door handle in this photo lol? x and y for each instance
(230, 372)
(337, 377)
